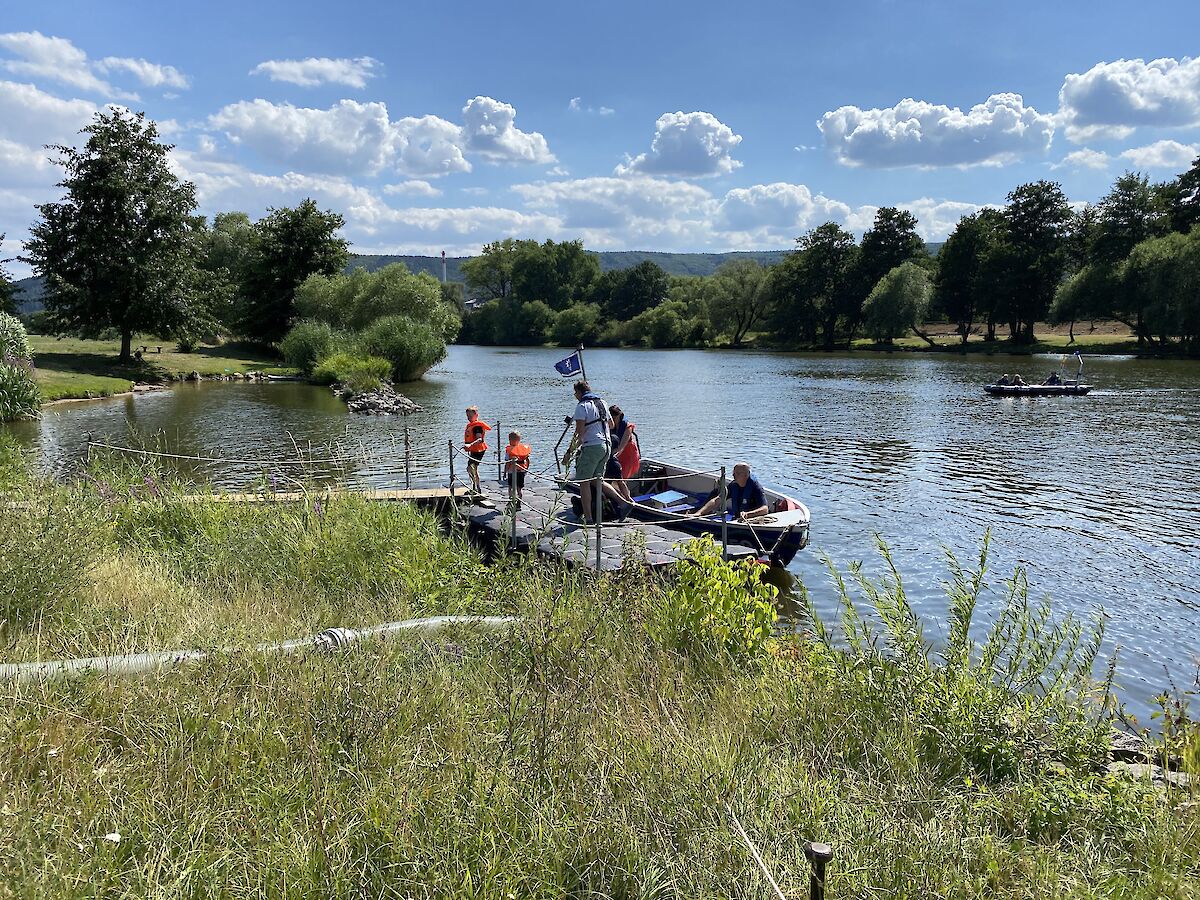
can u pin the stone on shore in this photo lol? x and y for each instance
(384, 401)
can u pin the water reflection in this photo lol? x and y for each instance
(1095, 496)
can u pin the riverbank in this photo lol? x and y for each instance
(75, 368)
(595, 749)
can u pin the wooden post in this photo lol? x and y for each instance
(598, 512)
(499, 465)
(818, 855)
(724, 516)
(450, 445)
(407, 459)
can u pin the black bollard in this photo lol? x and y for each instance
(818, 855)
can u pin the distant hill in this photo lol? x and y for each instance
(29, 295)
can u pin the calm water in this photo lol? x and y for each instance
(1096, 497)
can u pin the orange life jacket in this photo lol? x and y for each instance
(518, 458)
(473, 436)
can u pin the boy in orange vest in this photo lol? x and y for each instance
(475, 443)
(516, 455)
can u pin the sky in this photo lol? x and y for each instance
(644, 125)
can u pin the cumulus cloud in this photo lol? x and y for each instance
(1084, 159)
(147, 73)
(30, 116)
(415, 188)
(935, 218)
(998, 131)
(690, 145)
(1163, 155)
(489, 129)
(347, 138)
(1112, 99)
(43, 57)
(320, 70)
(605, 202)
(792, 207)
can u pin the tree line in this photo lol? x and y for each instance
(1134, 257)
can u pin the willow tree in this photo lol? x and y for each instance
(119, 250)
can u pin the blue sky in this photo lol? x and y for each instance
(647, 125)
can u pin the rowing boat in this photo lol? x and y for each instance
(1068, 389)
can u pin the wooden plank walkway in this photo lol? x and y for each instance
(423, 494)
(545, 524)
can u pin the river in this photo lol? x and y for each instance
(1095, 497)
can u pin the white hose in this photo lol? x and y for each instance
(329, 639)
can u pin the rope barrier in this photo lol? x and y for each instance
(754, 851)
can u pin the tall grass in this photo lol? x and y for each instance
(588, 751)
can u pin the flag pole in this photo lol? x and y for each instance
(582, 368)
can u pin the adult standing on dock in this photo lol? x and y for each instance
(591, 434)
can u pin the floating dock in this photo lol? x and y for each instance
(545, 524)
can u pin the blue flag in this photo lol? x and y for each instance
(569, 366)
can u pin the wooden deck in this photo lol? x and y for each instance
(546, 525)
(425, 494)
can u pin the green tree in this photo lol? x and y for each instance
(1037, 219)
(1087, 294)
(490, 274)
(558, 274)
(819, 286)
(119, 250)
(577, 324)
(890, 241)
(958, 285)
(1180, 199)
(739, 299)
(1157, 288)
(290, 245)
(898, 303)
(638, 289)
(1128, 215)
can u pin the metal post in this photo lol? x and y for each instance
(582, 367)
(724, 516)
(818, 855)
(407, 460)
(598, 511)
(499, 466)
(450, 445)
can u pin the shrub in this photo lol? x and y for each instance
(356, 373)
(411, 347)
(14, 342)
(19, 394)
(311, 341)
(715, 606)
(577, 324)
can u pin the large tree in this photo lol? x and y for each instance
(891, 241)
(957, 287)
(817, 286)
(1128, 215)
(289, 246)
(560, 275)
(1037, 219)
(638, 289)
(1180, 199)
(119, 250)
(490, 274)
(739, 299)
(898, 303)
(226, 252)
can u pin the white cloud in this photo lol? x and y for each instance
(415, 188)
(916, 133)
(347, 138)
(474, 191)
(771, 207)
(33, 117)
(489, 129)
(558, 172)
(1112, 99)
(23, 166)
(576, 105)
(1084, 159)
(320, 70)
(148, 73)
(597, 203)
(935, 218)
(691, 145)
(57, 59)
(1163, 155)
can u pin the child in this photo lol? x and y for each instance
(475, 443)
(517, 464)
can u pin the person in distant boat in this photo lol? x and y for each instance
(475, 443)
(1053, 379)
(1004, 380)
(746, 499)
(626, 454)
(516, 465)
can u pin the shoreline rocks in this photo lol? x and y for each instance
(384, 401)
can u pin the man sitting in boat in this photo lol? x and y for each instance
(1053, 379)
(1004, 380)
(746, 499)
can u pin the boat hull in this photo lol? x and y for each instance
(1037, 390)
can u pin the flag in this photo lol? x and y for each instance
(572, 365)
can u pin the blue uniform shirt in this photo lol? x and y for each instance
(744, 499)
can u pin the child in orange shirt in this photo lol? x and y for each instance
(517, 464)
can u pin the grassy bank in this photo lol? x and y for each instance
(1100, 337)
(76, 368)
(591, 751)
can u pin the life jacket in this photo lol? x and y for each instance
(602, 408)
(473, 436)
(518, 458)
(631, 457)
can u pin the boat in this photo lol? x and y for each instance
(1066, 389)
(669, 495)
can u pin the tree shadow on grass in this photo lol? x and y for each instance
(97, 364)
(243, 351)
